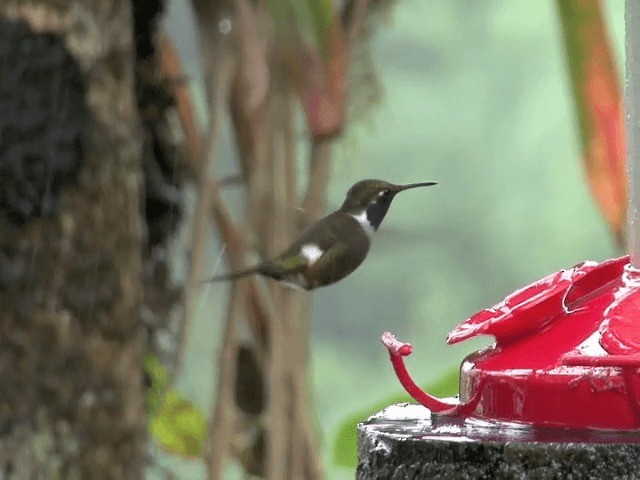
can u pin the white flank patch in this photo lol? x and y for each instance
(364, 222)
(311, 252)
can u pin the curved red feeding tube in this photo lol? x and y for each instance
(397, 351)
(566, 353)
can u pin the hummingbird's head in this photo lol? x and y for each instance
(373, 197)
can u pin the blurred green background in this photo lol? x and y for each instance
(476, 96)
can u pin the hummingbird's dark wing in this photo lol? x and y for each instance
(234, 275)
(279, 268)
(327, 232)
(326, 252)
(336, 263)
(332, 248)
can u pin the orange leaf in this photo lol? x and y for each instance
(596, 91)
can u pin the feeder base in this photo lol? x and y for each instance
(406, 441)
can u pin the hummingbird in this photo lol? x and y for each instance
(335, 245)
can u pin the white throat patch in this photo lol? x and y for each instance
(364, 222)
(311, 252)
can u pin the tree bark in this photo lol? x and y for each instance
(71, 238)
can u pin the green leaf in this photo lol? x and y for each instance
(345, 446)
(175, 423)
(159, 379)
(180, 427)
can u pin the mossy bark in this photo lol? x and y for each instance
(71, 240)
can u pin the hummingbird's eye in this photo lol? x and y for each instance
(383, 196)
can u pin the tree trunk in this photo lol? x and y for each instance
(71, 236)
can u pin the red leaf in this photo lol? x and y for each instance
(317, 70)
(323, 87)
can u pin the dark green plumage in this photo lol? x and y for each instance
(337, 244)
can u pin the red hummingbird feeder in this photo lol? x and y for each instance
(566, 353)
(567, 347)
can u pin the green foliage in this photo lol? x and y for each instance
(345, 447)
(311, 19)
(179, 427)
(321, 11)
(175, 423)
(159, 380)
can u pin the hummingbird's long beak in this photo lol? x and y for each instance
(400, 188)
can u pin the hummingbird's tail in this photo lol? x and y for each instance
(235, 275)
